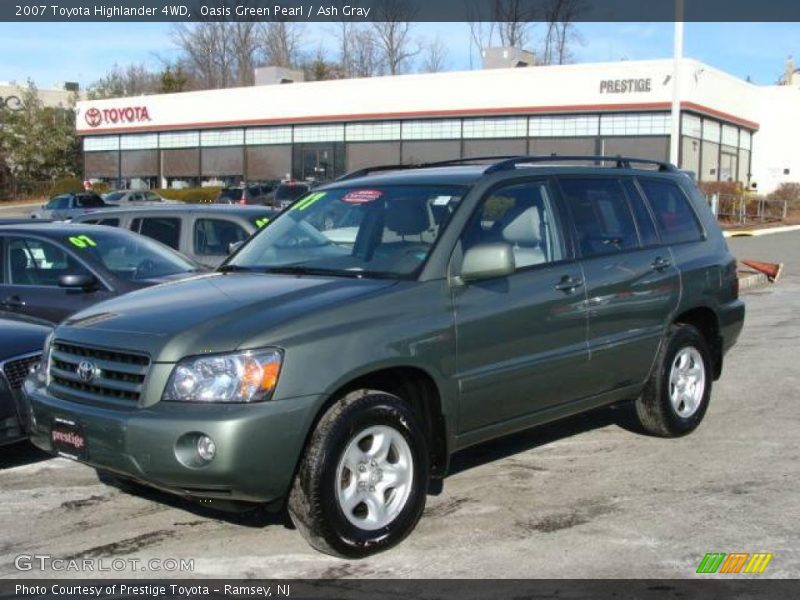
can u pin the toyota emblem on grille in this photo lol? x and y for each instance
(86, 371)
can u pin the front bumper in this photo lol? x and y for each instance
(258, 445)
(11, 429)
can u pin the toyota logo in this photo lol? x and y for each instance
(86, 371)
(93, 117)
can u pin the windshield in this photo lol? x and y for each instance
(375, 231)
(231, 194)
(89, 201)
(115, 196)
(130, 257)
(290, 192)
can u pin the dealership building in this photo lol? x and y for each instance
(730, 129)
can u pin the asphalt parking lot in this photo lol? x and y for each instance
(586, 497)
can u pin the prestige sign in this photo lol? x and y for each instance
(122, 115)
(625, 86)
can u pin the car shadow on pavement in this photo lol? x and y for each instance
(621, 415)
(236, 513)
(21, 454)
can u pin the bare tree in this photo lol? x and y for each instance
(365, 54)
(244, 35)
(513, 20)
(133, 80)
(560, 33)
(280, 43)
(510, 23)
(435, 55)
(393, 33)
(207, 53)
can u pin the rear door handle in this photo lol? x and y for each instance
(13, 302)
(568, 284)
(659, 264)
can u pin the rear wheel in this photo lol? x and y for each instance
(677, 394)
(361, 484)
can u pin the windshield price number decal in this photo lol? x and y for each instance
(306, 202)
(261, 222)
(82, 241)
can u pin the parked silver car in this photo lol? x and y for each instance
(65, 207)
(205, 233)
(131, 198)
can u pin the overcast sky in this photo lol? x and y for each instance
(50, 53)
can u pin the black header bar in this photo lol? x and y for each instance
(388, 10)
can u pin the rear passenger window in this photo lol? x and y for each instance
(521, 216)
(676, 220)
(644, 220)
(213, 237)
(163, 229)
(603, 220)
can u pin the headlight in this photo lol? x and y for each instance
(44, 365)
(237, 377)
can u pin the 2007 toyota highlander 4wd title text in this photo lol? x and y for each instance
(389, 319)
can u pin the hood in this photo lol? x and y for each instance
(212, 313)
(20, 337)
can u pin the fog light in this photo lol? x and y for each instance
(206, 448)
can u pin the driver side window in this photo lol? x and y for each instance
(522, 216)
(36, 262)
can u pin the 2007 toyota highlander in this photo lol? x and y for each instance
(337, 367)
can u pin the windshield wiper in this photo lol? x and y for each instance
(232, 268)
(303, 270)
(351, 273)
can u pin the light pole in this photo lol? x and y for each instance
(677, 54)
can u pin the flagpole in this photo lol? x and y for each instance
(677, 54)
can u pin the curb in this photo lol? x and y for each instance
(754, 232)
(752, 281)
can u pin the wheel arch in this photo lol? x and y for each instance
(414, 385)
(706, 321)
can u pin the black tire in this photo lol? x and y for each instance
(313, 504)
(654, 409)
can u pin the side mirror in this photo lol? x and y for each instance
(486, 261)
(83, 281)
(234, 246)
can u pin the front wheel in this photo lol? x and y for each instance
(361, 484)
(676, 396)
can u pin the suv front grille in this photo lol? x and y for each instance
(16, 370)
(106, 374)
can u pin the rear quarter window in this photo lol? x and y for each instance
(675, 218)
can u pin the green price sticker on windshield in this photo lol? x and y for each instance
(261, 222)
(82, 241)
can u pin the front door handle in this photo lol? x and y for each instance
(13, 302)
(659, 264)
(568, 284)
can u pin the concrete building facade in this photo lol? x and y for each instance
(730, 129)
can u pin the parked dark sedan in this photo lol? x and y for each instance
(52, 270)
(21, 342)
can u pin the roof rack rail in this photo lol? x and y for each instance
(622, 162)
(506, 163)
(440, 163)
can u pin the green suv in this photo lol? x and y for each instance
(334, 365)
